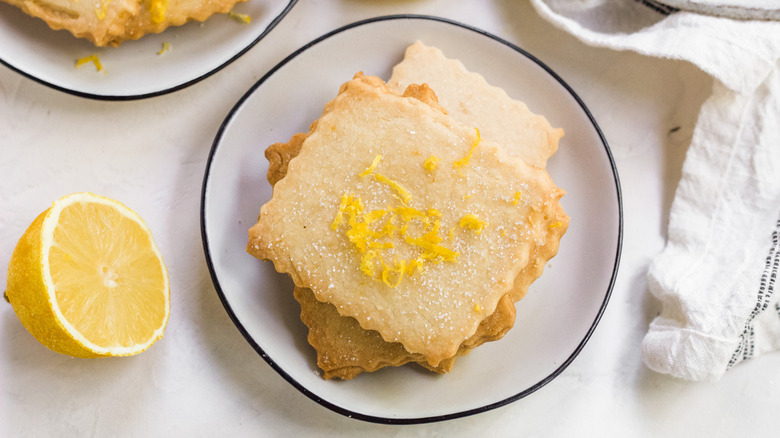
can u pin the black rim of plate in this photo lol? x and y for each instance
(436, 418)
(119, 97)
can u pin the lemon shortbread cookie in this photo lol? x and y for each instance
(343, 348)
(101, 21)
(110, 22)
(419, 234)
(157, 15)
(469, 99)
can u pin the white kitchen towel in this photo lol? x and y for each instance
(716, 276)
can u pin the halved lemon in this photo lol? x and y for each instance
(87, 280)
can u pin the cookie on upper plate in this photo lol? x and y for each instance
(110, 22)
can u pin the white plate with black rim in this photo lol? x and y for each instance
(554, 320)
(136, 69)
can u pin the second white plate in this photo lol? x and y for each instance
(134, 70)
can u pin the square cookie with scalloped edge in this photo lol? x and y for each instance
(471, 100)
(101, 21)
(155, 16)
(419, 233)
(111, 22)
(343, 348)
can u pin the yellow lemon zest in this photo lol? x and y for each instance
(472, 222)
(516, 198)
(431, 163)
(165, 47)
(241, 18)
(374, 216)
(371, 241)
(370, 169)
(409, 213)
(556, 224)
(477, 308)
(339, 219)
(366, 265)
(398, 270)
(432, 250)
(91, 58)
(465, 160)
(403, 194)
(101, 9)
(413, 265)
(158, 8)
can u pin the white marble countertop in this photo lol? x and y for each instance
(204, 379)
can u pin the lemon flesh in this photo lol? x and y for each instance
(86, 279)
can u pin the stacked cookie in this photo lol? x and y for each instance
(412, 216)
(110, 22)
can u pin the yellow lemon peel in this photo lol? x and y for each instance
(158, 9)
(370, 169)
(165, 47)
(91, 58)
(431, 163)
(241, 18)
(404, 194)
(370, 236)
(465, 160)
(472, 222)
(101, 9)
(370, 241)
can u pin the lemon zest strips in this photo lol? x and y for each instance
(166, 46)
(370, 169)
(91, 58)
(472, 222)
(465, 160)
(402, 192)
(101, 9)
(556, 224)
(158, 9)
(398, 269)
(398, 188)
(370, 237)
(516, 198)
(432, 251)
(431, 163)
(372, 232)
(241, 18)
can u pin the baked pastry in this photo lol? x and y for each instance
(110, 22)
(343, 348)
(151, 19)
(512, 208)
(470, 100)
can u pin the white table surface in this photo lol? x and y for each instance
(204, 379)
